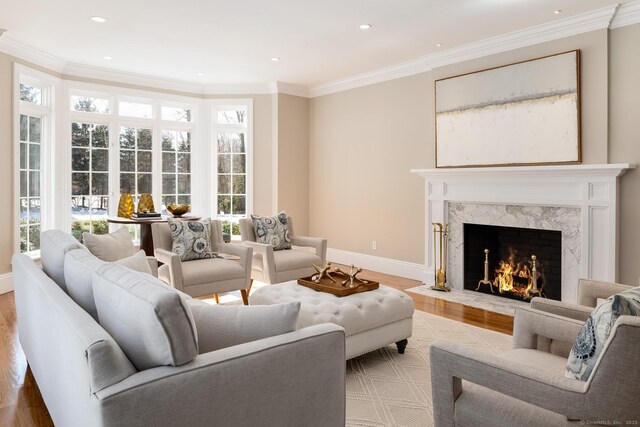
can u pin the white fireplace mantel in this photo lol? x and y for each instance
(592, 188)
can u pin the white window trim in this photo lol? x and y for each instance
(116, 94)
(216, 105)
(48, 109)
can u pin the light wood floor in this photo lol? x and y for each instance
(21, 403)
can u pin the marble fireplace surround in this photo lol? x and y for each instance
(579, 200)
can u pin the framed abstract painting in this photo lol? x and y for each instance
(527, 113)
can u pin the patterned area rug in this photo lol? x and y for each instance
(385, 388)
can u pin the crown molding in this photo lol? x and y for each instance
(628, 14)
(74, 70)
(566, 27)
(238, 89)
(30, 54)
(290, 89)
(377, 76)
(570, 26)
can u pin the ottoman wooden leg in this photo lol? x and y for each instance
(402, 345)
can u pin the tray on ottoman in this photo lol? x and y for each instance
(327, 285)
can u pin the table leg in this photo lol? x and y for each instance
(146, 239)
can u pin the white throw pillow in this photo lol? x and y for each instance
(110, 247)
(273, 230)
(136, 262)
(150, 321)
(220, 327)
(79, 266)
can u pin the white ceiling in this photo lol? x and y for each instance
(232, 41)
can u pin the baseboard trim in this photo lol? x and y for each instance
(6, 283)
(395, 267)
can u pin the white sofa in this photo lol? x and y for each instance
(85, 378)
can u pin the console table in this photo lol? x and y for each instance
(146, 238)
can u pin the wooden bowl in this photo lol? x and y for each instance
(178, 210)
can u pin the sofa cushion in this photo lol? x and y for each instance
(225, 326)
(191, 239)
(54, 244)
(273, 230)
(79, 266)
(150, 321)
(110, 247)
(594, 334)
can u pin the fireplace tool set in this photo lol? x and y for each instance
(440, 270)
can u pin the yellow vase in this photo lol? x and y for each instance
(125, 207)
(145, 204)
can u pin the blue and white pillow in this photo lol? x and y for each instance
(594, 334)
(273, 230)
(191, 239)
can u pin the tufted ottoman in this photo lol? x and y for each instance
(371, 320)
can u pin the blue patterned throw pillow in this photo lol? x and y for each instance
(191, 239)
(273, 230)
(594, 334)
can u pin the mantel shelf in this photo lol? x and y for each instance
(613, 169)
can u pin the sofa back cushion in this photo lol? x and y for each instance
(595, 333)
(225, 326)
(54, 244)
(79, 266)
(110, 247)
(149, 321)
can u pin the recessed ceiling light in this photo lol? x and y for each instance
(275, 59)
(98, 19)
(107, 58)
(438, 44)
(365, 26)
(557, 11)
(201, 74)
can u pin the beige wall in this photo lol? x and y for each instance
(363, 143)
(624, 141)
(365, 140)
(293, 160)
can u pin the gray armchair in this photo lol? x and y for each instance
(204, 276)
(589, 291)
(526, 386)
(271, 266)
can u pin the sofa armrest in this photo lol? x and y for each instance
(452, 363)
(153, 265)
(265, 382)
(268, 260)
(531, 327)
(590, 290)
(172, 260)
(572, 311)
(319, 244)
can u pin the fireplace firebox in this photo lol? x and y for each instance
(513, 262)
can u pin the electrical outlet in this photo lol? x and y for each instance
(374, 245)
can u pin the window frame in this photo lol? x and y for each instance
(216, 105)
(116, 122)
(46, 111)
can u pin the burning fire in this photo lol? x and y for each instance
(515, 277)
